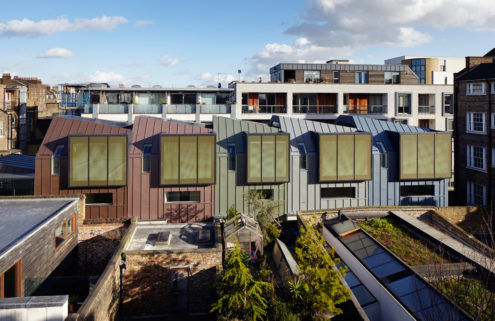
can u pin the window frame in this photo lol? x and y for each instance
(276, 179)
(89, 185)
(146, 158)
(18, 279)
(197, 183)
(470, 91)
(362, 77)
(303, 156)
(470, 123)
(473, 157)
(342, 188)
(471, 194)
(69, 233)
(181, 193)
(389, 79)
(336, 77)
(451, 106)
(400, 109)
(231, 157)
(57, 155)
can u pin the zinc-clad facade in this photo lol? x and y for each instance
(386, 184)
(304, 190)
(231, 184)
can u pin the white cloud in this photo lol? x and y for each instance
(338, 28)
(26, 27)
(141, 23)
(108, 77)
(56, 53)
(210, 79)
(168, 61)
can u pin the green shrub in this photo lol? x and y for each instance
(280, 311)
(271, 233)
(232, 212)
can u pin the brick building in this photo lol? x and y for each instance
(474, 91)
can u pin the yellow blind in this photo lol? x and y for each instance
(254, 159)
(268, 158)
(78, 166)
(169, 160)
(282, 158)
(117, 160)
(188, 160)
(206, 159)
(362, 162)
(345, 157)
(426, 154)
(443, 155)
(328, 157)
(98, 160)
(408, 156)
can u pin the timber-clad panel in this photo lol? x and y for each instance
(37, 252)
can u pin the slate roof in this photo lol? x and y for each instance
(479, 72)
(21, 216)
(18, 161)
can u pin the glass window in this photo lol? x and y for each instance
(383, 155)
(60, 235)
(183, 197)
(267, 158)
(57, 154)
(417, 190)
(221, 99)
(404, 103)
(476, 194)
(231, 155)
(336, 77)
(447, 104)
(147, 158)
(190, 99)
(10, 281)
(338, 192)
(99, 199)
(475, 122)
(187, 160)
(302, 156)
(176, 99)
(361, 77)
(475, 88)
(392, 77)
(476, 157)
(312, 75)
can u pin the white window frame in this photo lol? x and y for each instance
(447, 122)
(1, 128)
(470, 91)
(473, 157)
(472, 189)
(470, 117)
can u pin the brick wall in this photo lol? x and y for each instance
(103, 302)
(150, 285)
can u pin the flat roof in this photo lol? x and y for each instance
(342, 66)
(182, 236)
(19, 217)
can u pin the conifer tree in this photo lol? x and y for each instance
(241, 296)
(321, 290)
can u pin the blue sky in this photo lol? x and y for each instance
(178, 43)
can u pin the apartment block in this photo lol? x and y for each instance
(99, 101)
(431, 70)
(474, 131)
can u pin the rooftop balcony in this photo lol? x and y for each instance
(365, 109)
(216, 109)
(181, 109)
(148, 109)
(264, 109)
(425, 109)
(315, 109)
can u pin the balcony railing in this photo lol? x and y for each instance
(264, 109)
(88, 109)
(215, 109)
(365, 109)
(114, 108)
(315, 109)
(422, 109)
(148, 109)
(181, 109)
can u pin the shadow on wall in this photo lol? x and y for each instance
(160, 288)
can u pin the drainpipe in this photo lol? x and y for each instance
(490, 200)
